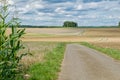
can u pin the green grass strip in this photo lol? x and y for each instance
(114, 53)
(49, 68)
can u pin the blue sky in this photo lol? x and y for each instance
(55, 12)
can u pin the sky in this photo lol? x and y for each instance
(55, 12)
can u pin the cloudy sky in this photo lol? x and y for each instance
(55, 12)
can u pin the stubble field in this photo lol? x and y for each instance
(104, 37)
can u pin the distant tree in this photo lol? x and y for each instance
(119, 24)
(70, 24)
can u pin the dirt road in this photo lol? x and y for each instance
(82, 63)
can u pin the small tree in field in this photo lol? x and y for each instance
(119, 24)
(10, 45)
(70, 24)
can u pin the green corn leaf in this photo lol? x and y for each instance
(9, 45)
(6, 16)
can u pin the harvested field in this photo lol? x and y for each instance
(105, 37)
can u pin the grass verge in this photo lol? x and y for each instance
(49, 68)
(114, 53)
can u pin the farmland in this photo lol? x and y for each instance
(44, 40)
(40, 40)
(104, 37)
(36, 38)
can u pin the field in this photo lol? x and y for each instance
(105, 37)
(36, 38)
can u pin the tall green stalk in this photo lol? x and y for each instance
(10, 45)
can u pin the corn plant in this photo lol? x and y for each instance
(10, 45)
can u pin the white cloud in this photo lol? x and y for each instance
(69, 15)
(79, 7)
(37, 4)
(45, 14)
(30, 6)
(11, 2)
(82, 6)
(23, 10)
(91, 5)
(60, 10)
(88, 16)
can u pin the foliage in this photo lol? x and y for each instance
(10, 44)
(49, 68)
(119, 24)
(114, 53)
(70, 24)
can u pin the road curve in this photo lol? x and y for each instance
(82, 63)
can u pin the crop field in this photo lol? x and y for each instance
(105, 37)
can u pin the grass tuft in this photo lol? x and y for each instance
(114, 53)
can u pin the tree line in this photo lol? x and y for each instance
(65, 24)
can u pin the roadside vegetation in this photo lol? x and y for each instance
(50, 66)
(114, 53)
(38, 50)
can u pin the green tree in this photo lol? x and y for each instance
(70, 24)
(119, 24)
(10, 45)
